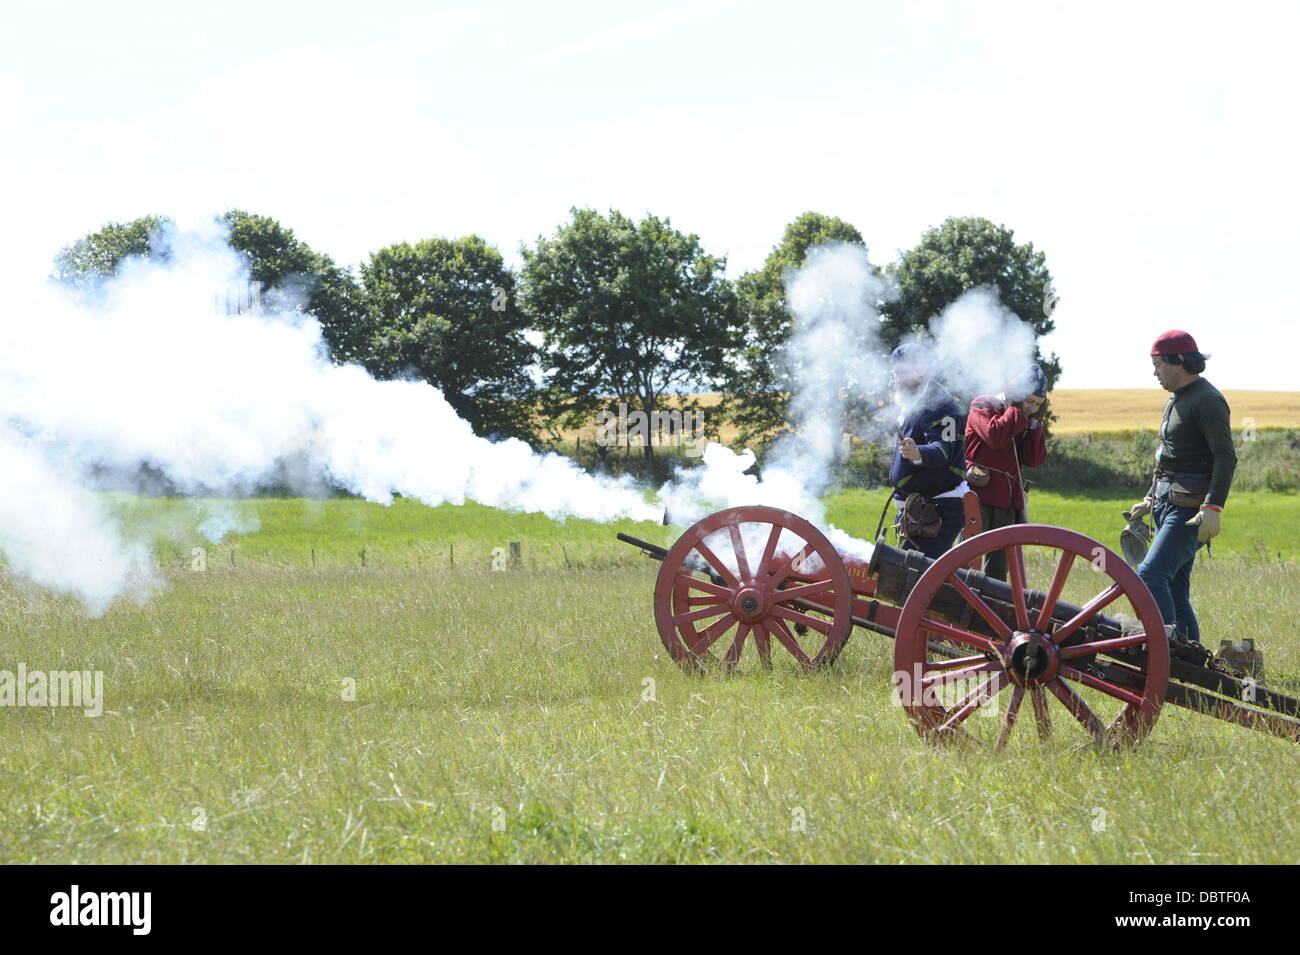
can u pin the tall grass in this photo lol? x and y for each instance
(532, 715)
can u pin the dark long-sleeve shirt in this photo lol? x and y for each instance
(1196, 437)
(998, 436)
(935, 425)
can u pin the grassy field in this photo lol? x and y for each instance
(505, 716)
(302, 534)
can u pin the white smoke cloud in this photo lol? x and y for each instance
(833, 355)
(151, 383)
(836, 358)
(221, 518)
(979, 345)
(59, 535)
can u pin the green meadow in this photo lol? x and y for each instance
(354, 683)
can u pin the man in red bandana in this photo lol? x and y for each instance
(1195, 462)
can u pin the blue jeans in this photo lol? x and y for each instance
(1167, 569)
(952, 513)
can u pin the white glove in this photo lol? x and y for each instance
(1207, 522)
(1141, 509)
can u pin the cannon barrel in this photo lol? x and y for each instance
(896, 572)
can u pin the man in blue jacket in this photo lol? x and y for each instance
(930, 457)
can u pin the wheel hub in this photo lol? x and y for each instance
(1031, 659)
(749, 604)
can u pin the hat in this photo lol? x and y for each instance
(1031, 382)
(911, 354)
(1174, 342)
(908, 353)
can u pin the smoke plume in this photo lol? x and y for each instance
(149, 384)
(980, 346)
(840, 369)
(833, 355)
(145, 385)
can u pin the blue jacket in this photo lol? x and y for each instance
(937, 426)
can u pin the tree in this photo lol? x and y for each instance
(292, 275)
(628, 312)
(86, 262)
(954, 258)
(301, 279)
(758, 383)
(445, 310)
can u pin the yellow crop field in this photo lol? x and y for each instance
(1084, 410)
(1123, 409)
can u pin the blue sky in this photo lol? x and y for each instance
(1149, 150)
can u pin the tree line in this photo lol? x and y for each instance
(604, 310)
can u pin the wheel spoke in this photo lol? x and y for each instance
(951, 676)
(1041, 715)
(1016, 566)
(784, 568)
(1079, 709)
(804, 590)
(954, 663)
(821, 626)
(710, 635)
(763, 646)
(1009, 720)
(1054, 591)
(705, 601)
(738, 546)
(787, 639)
(984, 610)
(737, 645)
(1132, 722)
(711, 611)
(1110, 689)
(1090, 610)
(972, 701)
(708, 586)
(723, 570)
(978, 641)
(1103, 646)
(769, 551)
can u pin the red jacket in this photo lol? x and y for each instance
(996, 434)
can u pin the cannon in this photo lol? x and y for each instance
(765, 578)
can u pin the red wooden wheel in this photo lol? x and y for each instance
(741, 570)
(1038, 655)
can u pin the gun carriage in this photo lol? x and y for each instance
(964, 643)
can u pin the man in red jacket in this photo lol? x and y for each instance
(1004, 433)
